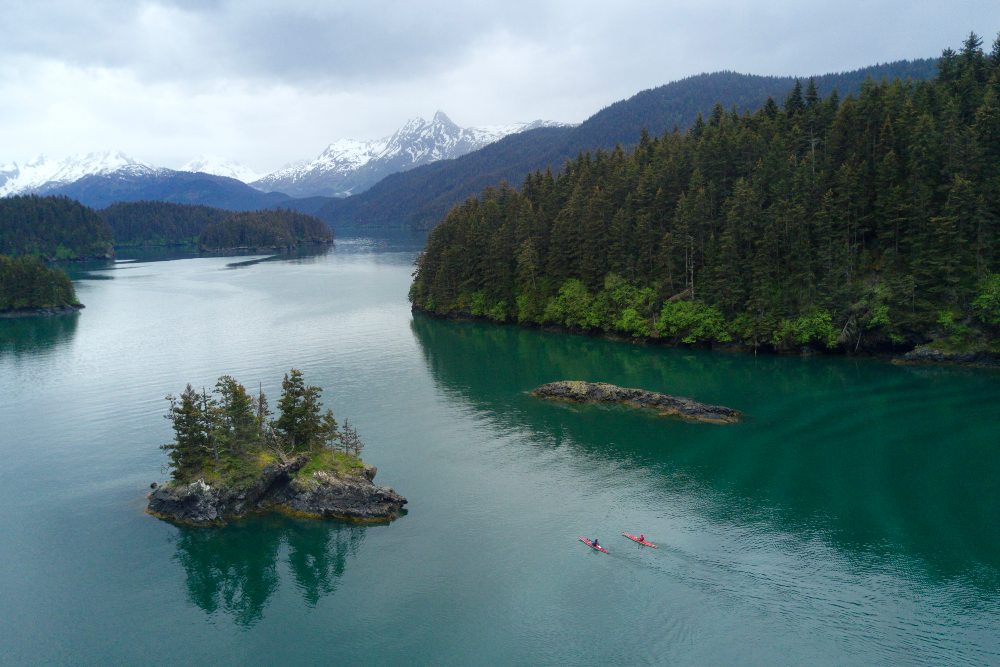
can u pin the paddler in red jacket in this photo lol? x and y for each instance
(642, 538)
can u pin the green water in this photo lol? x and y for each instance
(851, 519)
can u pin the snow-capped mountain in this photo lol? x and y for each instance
(348, 166)
(42, 175)
(345, 167)
(217, 166)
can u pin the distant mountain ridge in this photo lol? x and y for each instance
(179, 187)
(348, 166)
(420, 197)
(43, 175)
(345, 166)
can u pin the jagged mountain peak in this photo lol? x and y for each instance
(441, 117)
(349, 166)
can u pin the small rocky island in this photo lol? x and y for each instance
(229, 459)
(578, 391)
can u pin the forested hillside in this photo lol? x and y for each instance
(865, 223)
(678, 104)
(421, 197)
(55, 228)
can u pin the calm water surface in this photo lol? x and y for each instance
(851, 519)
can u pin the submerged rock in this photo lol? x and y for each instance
(579, 391)
(279, 487)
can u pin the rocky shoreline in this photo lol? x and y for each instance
(578, 391)
(926, 355)
(279, 488)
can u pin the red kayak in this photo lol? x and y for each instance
(590, 544)
(635, 538)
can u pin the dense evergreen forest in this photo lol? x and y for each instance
(27, 284)
(264, 229)
(159, 223)
(55, 228)
(421, 197)
(33, 229)
(156, 223)
(868, 222)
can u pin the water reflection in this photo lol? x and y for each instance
(318, 555)
(360, 240)
(302, 255)
(31, 335)
(234, 569)
(862, 453)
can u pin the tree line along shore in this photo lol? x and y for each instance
(36, 230)
(868, 223)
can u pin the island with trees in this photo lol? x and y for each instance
(230, 458)
(865, 223)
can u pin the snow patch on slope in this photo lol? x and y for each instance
(218, 166)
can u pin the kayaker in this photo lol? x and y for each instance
(642, 538)
(596, 543)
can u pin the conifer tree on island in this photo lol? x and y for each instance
(226, 435)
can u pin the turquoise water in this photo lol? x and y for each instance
(851, 519)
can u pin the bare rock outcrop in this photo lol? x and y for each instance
(579, 391)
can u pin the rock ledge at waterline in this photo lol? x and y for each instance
(579, 391)
(280, 487)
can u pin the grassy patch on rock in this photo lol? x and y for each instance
(333, 462)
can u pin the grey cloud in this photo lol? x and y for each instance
(274, 81)
(286, 42)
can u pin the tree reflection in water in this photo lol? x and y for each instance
(234, 568)
(34, 334)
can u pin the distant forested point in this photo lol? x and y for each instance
(159, 223)
(154, 223)
(28, 285)
(264, 229)
(864, 223)
(55, 228)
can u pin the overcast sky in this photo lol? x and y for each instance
(267, 83)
